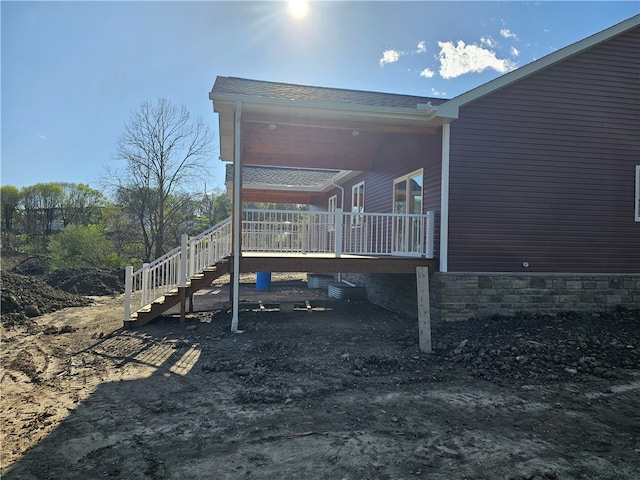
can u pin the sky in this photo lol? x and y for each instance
(72, 73)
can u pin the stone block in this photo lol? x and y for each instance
(538, 282)
(574, 285)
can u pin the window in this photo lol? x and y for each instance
(407, 193)
(637, 193)
(357, 204)
(408, 229)
(333, 201)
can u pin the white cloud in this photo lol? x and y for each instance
(456, 60)
(421, 47)
(436, 93)
(506, 33)
(514, 52)
(488, 41)
(427, 73)
(42, 137)
(390, 56)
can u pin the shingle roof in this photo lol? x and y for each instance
(294, 177)
(288, 91)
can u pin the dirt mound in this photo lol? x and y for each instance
(25, 297)
(88, 281)
(563, 347)
(25, 264)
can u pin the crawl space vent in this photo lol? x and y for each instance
(316, 280)
(344, 291)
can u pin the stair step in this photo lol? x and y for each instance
(171, 298)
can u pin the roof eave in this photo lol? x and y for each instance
(450, 108)
(227, 101)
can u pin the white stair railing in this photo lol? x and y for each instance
(174, 268)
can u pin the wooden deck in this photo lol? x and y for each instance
(264, 262)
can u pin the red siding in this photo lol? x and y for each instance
(543, 170)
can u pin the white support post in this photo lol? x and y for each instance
(424, 309)
(444, 199)
(128, 288)
(430, 233)
(339, 231)
(306, 225)
(237, 213)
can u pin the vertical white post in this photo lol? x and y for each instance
(128, 288)
(182, 275)
(194, 252)
(145, 284)
(430, 233)
(444, 198)
(424, 309)
(306, 225)
(237, 212)
(339, 231)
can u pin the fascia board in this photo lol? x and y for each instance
(340, 177)
(450, 109)
(222, 101)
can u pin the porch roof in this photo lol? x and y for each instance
(284, 185)
(292, 92)
(263, 176)
(315, 127)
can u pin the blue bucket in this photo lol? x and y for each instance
(263, 281)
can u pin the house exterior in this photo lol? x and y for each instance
(534, 178)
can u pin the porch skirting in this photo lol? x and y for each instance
(459, 296)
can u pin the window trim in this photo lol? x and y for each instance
(357, 220)
(637, 204)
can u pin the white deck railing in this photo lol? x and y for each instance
(281, 231)
(287, 231)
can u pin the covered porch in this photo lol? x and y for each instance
(348, 136)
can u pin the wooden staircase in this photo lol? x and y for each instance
(175, 296)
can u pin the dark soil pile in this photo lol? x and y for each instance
(535, 347)
(504, 350)
(25, 297)
(88, 281)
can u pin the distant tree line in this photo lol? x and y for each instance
(76, 225)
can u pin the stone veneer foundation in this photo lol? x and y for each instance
(458, 296)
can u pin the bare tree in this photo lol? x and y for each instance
(164, 149)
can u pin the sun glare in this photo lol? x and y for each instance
(298, 8)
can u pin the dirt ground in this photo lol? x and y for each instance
(332, 389)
